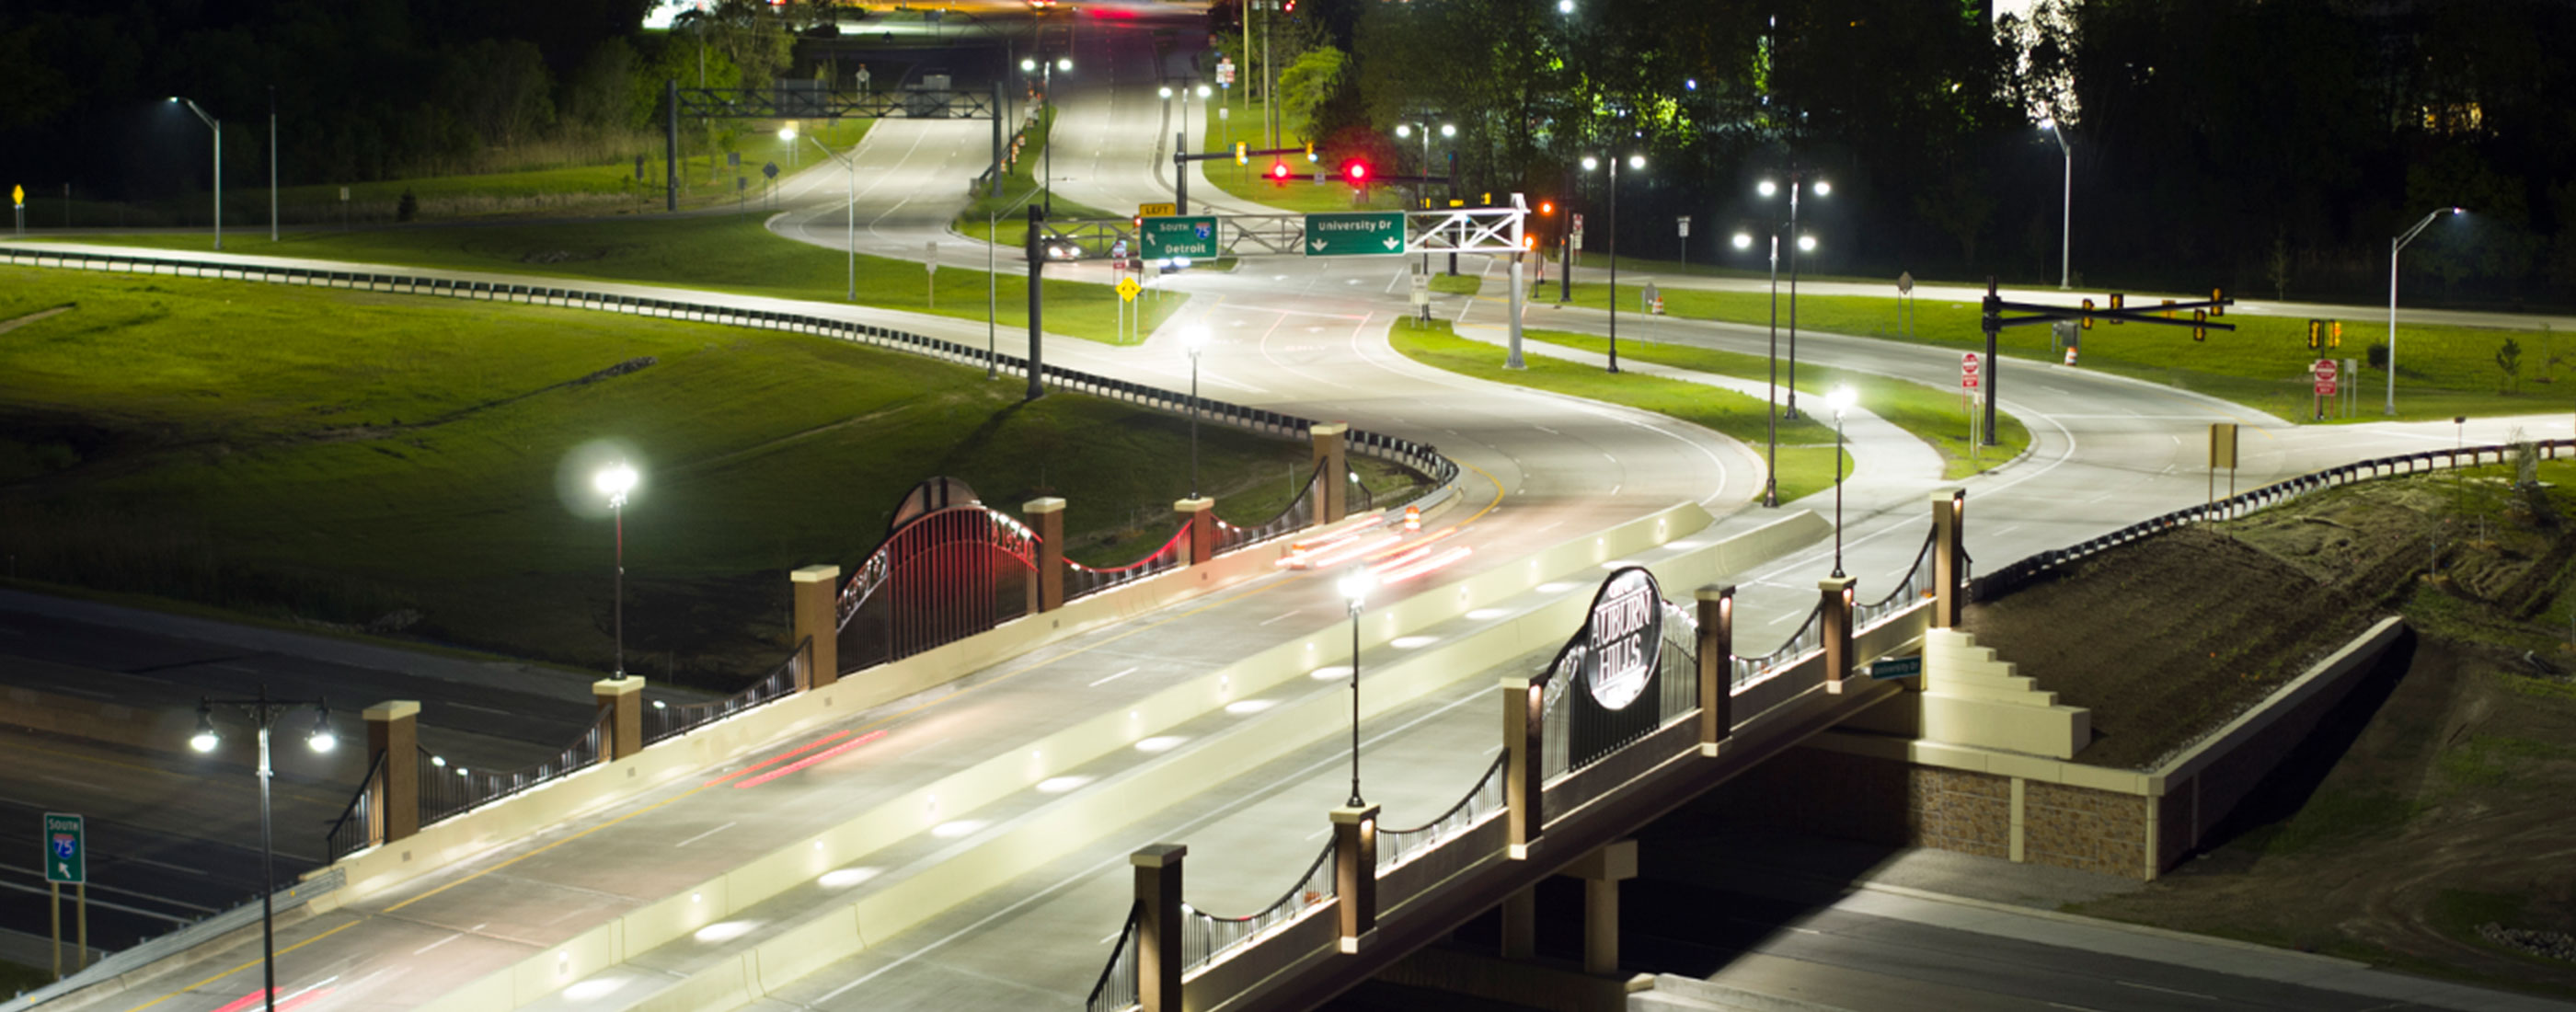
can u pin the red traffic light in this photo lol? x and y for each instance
(1356, 172)
(1547, 207)
(1279, 171)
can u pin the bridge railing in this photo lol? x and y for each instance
(664, 721)
(1914, 586)
(2013, 577)
(1481, 802)
(1081, 580)
(1298, 515)
(354, 830)
(446, 791)
(1206, 936)
(1116, 988)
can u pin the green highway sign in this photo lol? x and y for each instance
(1896, 667)
(1179, 236)
(1357, 234)
(66, 853)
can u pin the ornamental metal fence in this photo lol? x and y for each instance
(1206, 936)
(665, 721)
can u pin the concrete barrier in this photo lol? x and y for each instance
(903, 898)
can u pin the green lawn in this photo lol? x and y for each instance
(2442, 371)
(1806, 447)
(720, 253)
(1933, 415)
(325, 456)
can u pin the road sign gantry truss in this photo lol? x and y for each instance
(817, 103)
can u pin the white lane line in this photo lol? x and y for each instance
(703, 835)
(436, 944)
(2166, 990)
(165, 864)
(1110, 937)
(1281, 616)
(1112, 678)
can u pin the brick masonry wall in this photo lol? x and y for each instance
(1876, 800)
(2084, 829)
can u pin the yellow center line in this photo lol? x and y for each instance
(247, 965)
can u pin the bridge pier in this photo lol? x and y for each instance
(1355, 873)
(1332, 467)
(1158, 926)
(1837, 623)
(817, 624)
(1601, 872)
(1949, 550)
(1199, 515)
(393, 800)
(1520, 924)
(1716, 666)
(1046, 517)
(624, 698)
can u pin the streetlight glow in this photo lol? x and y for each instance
(615, 482)
(321, 739)
(1806, 244)
(1823, 188)
(205, 739)
(1743, 241)
(787, 133)
(1767, 188)
(1064, 63)
(1590, 163)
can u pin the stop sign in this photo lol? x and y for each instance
(2324, 370)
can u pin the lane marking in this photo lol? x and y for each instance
(706, 834)
(244, 966)
(1281, 616)
(1112, 678)
(2166, 990)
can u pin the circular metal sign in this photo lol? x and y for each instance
(1626, 638)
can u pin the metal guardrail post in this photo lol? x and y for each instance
(1949, 521)
(625, 698)
(1837, 630)
(1158, 931)
(1716, 649)
(1355, 873)
(816, 624)
(1046, 517)
(393, 731)
(1523, 712)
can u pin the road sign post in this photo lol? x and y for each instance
(2324, 371)
(1969, 381)
(1364, 233)
(18, 204)
(1192, 236)
(66, 862)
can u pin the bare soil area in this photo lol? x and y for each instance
(2430, 824)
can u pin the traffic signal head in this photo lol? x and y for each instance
(1546, 207)
(1242, 153)
(2315, 328)
(2088, 314)
(2118, 300)
(1310, 152)
(2198, 332)
(2218, 296)
(1279, 173)
(1357, 172)
(2334, 336)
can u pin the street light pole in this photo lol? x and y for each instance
(1195, 340)
(264, 712)
(849, 213)
(1840, 400)
(618, 480)
(1771, 396)
(2065, 232)
(217, 126)
(272, 163)
(2394, 245)
(1634, 162)
(1355, 588)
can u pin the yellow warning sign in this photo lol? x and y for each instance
(1127, 289)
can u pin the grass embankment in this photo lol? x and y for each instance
(1931, 415)
(717, 253)
(311, 455)
(2420, 817)
(1806, 447)
(2442, 371)
(1301, 193)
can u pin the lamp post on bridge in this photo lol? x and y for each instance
(1355, 588)
(264, 712)
(616, 481)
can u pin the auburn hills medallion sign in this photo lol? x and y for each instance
(1627, 633)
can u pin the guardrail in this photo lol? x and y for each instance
(1420, 457)
(355, 829)
(2020, 574)
(446, 791)
(663, 721)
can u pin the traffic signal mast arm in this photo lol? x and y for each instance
(2131, 314)
(1214, 156)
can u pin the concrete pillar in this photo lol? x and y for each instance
(1200, 516)
(625, 699)
(1601, 872)
(1949, 516)
(1332, 481)
(1520, 924)
(1158, 926)
(1716, 666)
(1355, 873)
(1523, 708)
(393, 799)
(818, 614)
(1837, 623)
(1046, 517)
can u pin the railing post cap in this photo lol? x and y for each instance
(1043, 504)
(1328, 428)
(617, 686)
(815, 574)
(393, 709)
(1199, 505)
(1944, 495)
(1835, 582)
(1713, 592)
(1519, 682)
(1348, 815)
(1158, 855)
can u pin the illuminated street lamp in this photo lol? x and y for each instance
(217, 126)
(787, 136)
(1797, 182)
(264, 712)
(1634, 162)
(1771, 395)
(849, 212)
(615, 482)
(1195, 339)
(1840, 399)
(1045, 69)
(2066, 231)
(1355, 588)
(2395, 245)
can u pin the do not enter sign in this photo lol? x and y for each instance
(1968, 365)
